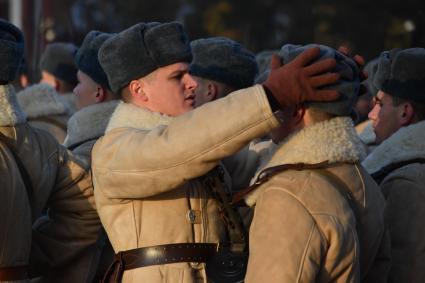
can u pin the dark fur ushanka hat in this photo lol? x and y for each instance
(58, 60)
(401, 73)
(87, 60)
(141, 49)
(11, 51)
(348, 85)
(223, 60)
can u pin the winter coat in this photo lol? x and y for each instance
(45, 109)
(14, 208)
(84, 128)
(60, 183)
(404, 190)
(148, 176)
(305, 225)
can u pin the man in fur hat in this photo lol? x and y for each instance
(398, 163)
(53, 179)
(96, 103)
(49, 104)
(59, 70)
(319, 217)
(151, 193)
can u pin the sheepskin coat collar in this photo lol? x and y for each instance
(11, 113)
(41, 100)
(334, 140)
(127, 115)
(405, 144)
(89, 122)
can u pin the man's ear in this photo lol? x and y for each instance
(57, 84)
(212, 91)
(100, 94)
(136, 90)
(298, 114)
(407, 114)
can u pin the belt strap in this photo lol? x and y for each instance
(157, 255)
(13, 273)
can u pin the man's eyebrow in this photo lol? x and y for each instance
(178, 72)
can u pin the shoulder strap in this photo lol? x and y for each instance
(24, 173)
(380, 175)
(269, 172)
(237, 233)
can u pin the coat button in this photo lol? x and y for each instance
(194, 216)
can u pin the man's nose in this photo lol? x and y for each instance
(374, 112)
(190, 82)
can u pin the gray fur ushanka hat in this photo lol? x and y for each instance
(141, 49)
(348, 85)
(86, 57)
(11, 50)
(58, 60)
(223, 60)
(401, 73)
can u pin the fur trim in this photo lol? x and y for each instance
(405, 144)
(70, 101)
(41, 100)
(11, 113)
(127, 115)
(90, 122)
(333, 140)
(366, 133)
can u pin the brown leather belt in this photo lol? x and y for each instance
(13, 273)
(157, 255)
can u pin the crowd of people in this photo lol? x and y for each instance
(142, 156)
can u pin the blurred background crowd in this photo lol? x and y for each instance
(366, 27)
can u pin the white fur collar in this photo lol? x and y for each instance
(90, 122)
(333, 140)
(10, 111)
(405, 144)
(41, 100)
(127, 115)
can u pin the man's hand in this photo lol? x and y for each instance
(359, 60)
(297, 81)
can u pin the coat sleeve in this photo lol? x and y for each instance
(71, 227)
(404, 215)
(287, 245)
(129, 163)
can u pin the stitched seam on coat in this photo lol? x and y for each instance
(314, 224)
(363, 184)
(306, 248)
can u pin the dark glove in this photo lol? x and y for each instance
(297, 81)
(360, 64)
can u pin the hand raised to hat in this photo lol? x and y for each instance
(300, 81)
(359, 60)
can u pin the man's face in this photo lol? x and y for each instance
(47, 78)
(202, 95)
(385, 117)
(171, 90)
(86, 90)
